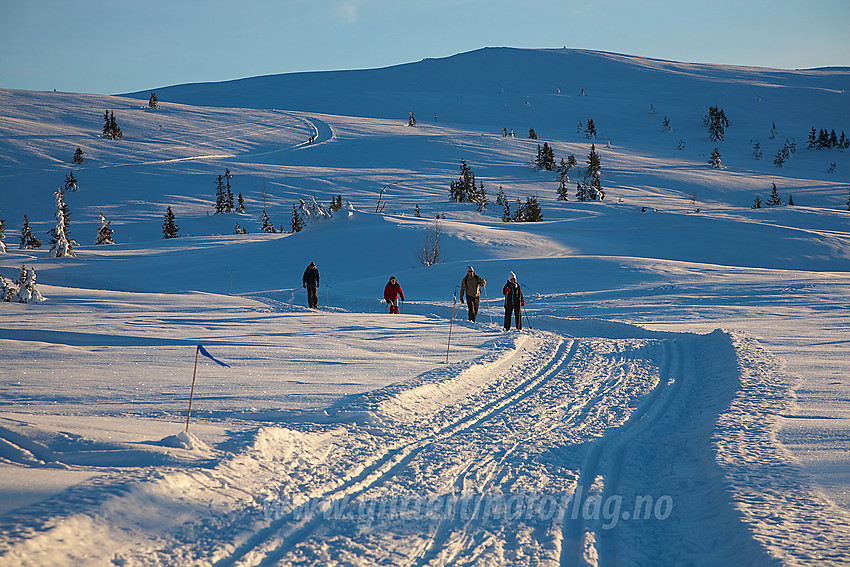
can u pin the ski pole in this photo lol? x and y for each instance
(487, 301)
(527, 320)
(451, 324)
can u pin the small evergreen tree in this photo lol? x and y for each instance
(153, 102)
(296, 224)
(2, 236)
(104, 233)
(519, 213)
(780, 158)
(71, 182)
(27, 291)
(239, 230)
(464, 189)
(169, 228)
(582, 191)
(665, 126)
(28, 241)
(563, 192)
(773, 130)
(60, 244)
(417, 214)
(240, 204)
(506, 210)
(480, 197)
(532, 135)
(717, 124)
(715, 161)
(411, 121)
(594, 164)
(268, 226)
(774, 199)
(757, 202)
(78, 156)
(812, 141)
(500, 198)
(757, 151)
(790, 200)
(590, 130)
(220, 196)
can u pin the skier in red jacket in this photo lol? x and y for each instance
(391, 293)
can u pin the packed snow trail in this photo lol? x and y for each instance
(546, 450)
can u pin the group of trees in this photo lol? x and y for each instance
(110, 126)
(224, 195)
(465, 190)
(21, 290)
(826, 140)
(773, 201)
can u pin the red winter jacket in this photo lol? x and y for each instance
(393, 290)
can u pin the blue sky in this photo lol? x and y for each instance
(114, 46)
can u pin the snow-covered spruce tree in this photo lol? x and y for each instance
(268, 226)
(296, 223)
(506, 211)
(153, 102)
(774, 199)
(411, 121)
(169, 228)
(7, 290)
(790, 200)
(104, 233)
(28, 241)
(71, 182)
(27, 290)
(757, 151)
(501, 199)
(582, 190)
(532, 135)
(773, 130)
(532, 210)
(780, 158)
(757, 202)
(596, 190)
(60, 244)
(665, 126)
(416, 212)
(240, 203)
(239, 230)
(715, 161)
(78, 156)
(2, 236)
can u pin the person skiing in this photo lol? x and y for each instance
(391, 293)
(311, 282)
(514, 302)
(471, 285)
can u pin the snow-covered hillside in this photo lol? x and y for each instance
(679, 394)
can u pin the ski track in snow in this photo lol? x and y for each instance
(583, 422)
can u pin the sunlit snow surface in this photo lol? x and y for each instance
(681, 350)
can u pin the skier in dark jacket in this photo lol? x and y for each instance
(470, 286)
(391, 293)
(514, 302)
(311, 282)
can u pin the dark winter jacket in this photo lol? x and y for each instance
(513, 295)
(311, 276)
(393, 290)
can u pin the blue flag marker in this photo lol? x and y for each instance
(203, 351)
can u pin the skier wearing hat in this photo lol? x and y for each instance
(391, 293)
(514, 302)
(471, 285)
(311, 282)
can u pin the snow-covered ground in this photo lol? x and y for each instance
(679, 394)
